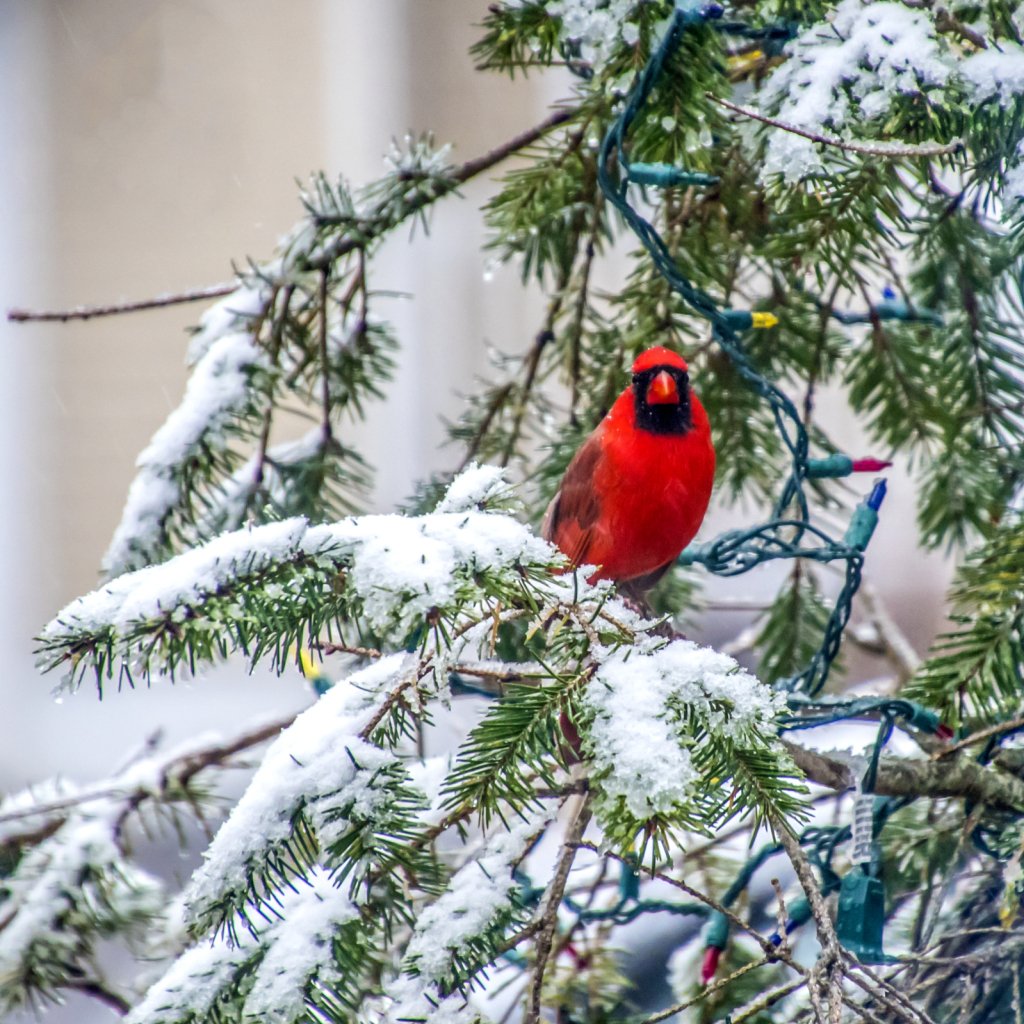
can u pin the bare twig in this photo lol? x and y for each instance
(770, 951)
(882, 150)
(831, 950)
(766, 1001)
(532, 361)
(711, 990)
(459, 176)
(981, 734)
(898, 648)
(95, 988)
(946, 22)
(363, 652)
(576, 332)
(324, 363)
(89, 312)
(781, 916)
(498, 399)
(549, 904)
(180, 770)
(886, 994)
(472, 168)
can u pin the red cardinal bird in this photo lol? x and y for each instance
(636, 492)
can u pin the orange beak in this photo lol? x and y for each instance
(662, 390)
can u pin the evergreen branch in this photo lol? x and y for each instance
(174, 774)
(378, 222)
(960, 778)
(885, 150)
(88, 312)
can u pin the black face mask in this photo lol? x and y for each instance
(662, 418)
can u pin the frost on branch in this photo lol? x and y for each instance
(849, 70)
(271, 975)
(294, 578)
(598, 26)
(72, 890)
(318, 781)
(219, 392)
(450, 941)
(668, 726)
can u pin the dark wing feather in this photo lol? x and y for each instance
(570, 518)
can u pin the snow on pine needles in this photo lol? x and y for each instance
(347, 858)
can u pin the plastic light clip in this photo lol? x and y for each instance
(865, 518)
(667, 176)
(861, 917)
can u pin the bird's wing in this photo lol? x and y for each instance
(570, 518)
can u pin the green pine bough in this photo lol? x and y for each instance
(852, 222)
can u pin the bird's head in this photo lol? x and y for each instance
(661, 392)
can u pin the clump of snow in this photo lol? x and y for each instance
(640, 702)
(301, 947)
(192, 985)
(478, 898)
(158, 590)
(320, 764)
(597, 25)
(995, 72)
(424, 1004)
(231, 314)
(293, 949)
(78, 873)
(403, 566)
(218, 389)
(400, 566)
(475, 488)
(851, 67)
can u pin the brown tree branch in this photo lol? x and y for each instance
(883, 151)
(957, 778)
(95, 988)
(459, 176)
(88, 312)
(550, 903)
